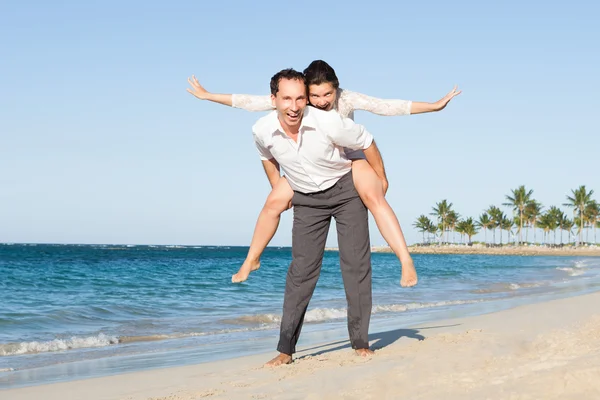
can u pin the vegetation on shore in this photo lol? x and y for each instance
(527, 214)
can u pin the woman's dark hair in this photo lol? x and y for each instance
(319, 72)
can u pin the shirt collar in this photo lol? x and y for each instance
(308, 121)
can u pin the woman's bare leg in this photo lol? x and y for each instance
(268, 220)
(369, 187)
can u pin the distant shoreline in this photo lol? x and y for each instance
(587, 251)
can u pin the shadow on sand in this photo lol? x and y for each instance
(378, 340)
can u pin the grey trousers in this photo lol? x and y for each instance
(312, 217)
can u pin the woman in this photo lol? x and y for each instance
(324, 93)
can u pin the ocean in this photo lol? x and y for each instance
(79, 311)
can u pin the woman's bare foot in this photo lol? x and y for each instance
(364, 352)
(247, 267)
(409, 274)
(281, 359)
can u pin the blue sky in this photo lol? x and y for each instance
(101, 143)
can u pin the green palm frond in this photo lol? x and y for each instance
(519, 198)
(484, 221)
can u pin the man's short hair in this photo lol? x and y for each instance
(290, 74)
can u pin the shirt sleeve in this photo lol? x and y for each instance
(251, 103)
(347, 133)
(387, 107)
(263, 151)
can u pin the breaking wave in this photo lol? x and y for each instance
(329, 314)
(101, 340)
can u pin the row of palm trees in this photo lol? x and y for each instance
(527, 213)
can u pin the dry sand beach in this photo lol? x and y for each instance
(546, 350)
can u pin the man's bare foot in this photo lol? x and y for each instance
(281, 359)
(247, 267)
(409, 274)
(364, 352)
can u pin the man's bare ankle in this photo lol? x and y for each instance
(281, 359)
(364, 352)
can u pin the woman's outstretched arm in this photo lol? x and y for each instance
(392, 107)
(419, 107)
(243, 101)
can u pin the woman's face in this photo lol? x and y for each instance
(322, 96)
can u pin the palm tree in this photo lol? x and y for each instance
(440, 229)
(562, 221)
(506, 224)
(541, 223)
(453, 218)
(568, 225)
(592, 213)
(441, 211)
(517, 222)
(496, 216)
(554, 219)
(432, 230)
(423, 224)
(578, 201)
(552, 225)
(532, 210)
(578, 223)
(470, 228)
(485, 223)
(460, 229)
(519, 199)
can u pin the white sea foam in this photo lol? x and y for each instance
(516, 286)
(13, 349)
(325, 314)
(329, 314)
(254, 319)
(101, 340)
(572, 271)
(417, 306)
(508, 287)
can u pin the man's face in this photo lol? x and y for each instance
(322, 96)
(290, 101)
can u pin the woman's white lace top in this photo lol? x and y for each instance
(347, 103)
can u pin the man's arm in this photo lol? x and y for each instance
(376, 162)
(272, 171)
(270, 165)
(345, 132)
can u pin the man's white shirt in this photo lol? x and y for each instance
(317, 160)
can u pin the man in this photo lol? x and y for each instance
(307, 144)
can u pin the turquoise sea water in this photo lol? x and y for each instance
(76, 311)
